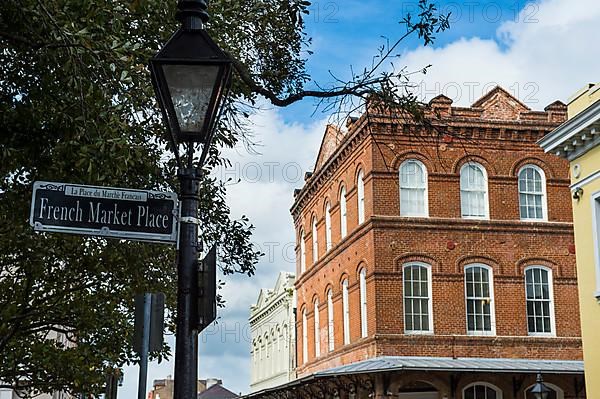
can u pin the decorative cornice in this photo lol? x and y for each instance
(260, 314)
(576, 136)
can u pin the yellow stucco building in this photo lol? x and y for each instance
(578, 140)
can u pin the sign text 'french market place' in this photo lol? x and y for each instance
(104, 211)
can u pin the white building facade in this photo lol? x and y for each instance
(273, 332)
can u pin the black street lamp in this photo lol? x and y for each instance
(540, 390)
(191, 76)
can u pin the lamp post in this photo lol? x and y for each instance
(191, 76)
(540, 390)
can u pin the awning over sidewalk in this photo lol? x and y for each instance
(393, 363)
(387, 364)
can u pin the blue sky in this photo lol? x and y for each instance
(347, 34)
(539, 51)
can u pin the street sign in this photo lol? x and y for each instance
(124, 213)
(207, 289)
(156, 323)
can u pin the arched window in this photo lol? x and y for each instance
(315, 242)
(328, 226)
(362, 279)
(261, 368)
(473, 191)
(479, 287)
(330, 326)
(254, 356)
(279, 357)
(317, 330)
(302, 252)
(417, 298)
(532, 193)
(360, 193)
(343, 222)
(540, 300)
(304, 337)
(413, 189)
(555, 392)
(273, 352)
(268, 356)
(346, 312)
(482, 390)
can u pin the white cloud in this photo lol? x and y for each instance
(265, 195)
(539, 62)
(546, 54)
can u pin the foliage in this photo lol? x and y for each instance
(76, 105)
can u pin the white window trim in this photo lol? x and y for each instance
(304, 337)
(362, 278)
(487, 384)
(551, 292)
(317, 330)
(302, 252)
(343, 213)
(346, 312)
(330, 325)
(560, 394)
(315, 240)
(430, 302)
(595, 203)
(360, 194)
(327, 226)
(485, 196)
(425, 193)
(544, 194)
(492, 332)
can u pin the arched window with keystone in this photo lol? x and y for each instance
(413, 189)
(343, 211)
(532, 193)
(360, 195)
(474, 191)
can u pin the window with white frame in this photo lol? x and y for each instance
(482, 390)
(417, 298)
(317, 330)
(479, 289)
(328, 226)
(261, 352)
(343, 221)
(413, 188)
(360, 191)
(254, 362)
(267, 355)
(532, 193)
(315, 241)
(330, 326)
(362, 280)
(540, 300)
(346, 312)
(302, 252)
(473, 191)
(304, 337)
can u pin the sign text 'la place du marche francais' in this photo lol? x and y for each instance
(104, 211)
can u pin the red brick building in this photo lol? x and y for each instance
(438, 262)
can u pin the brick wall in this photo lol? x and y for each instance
(502, 141)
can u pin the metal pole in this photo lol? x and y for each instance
(186, 338)
(143, 378)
